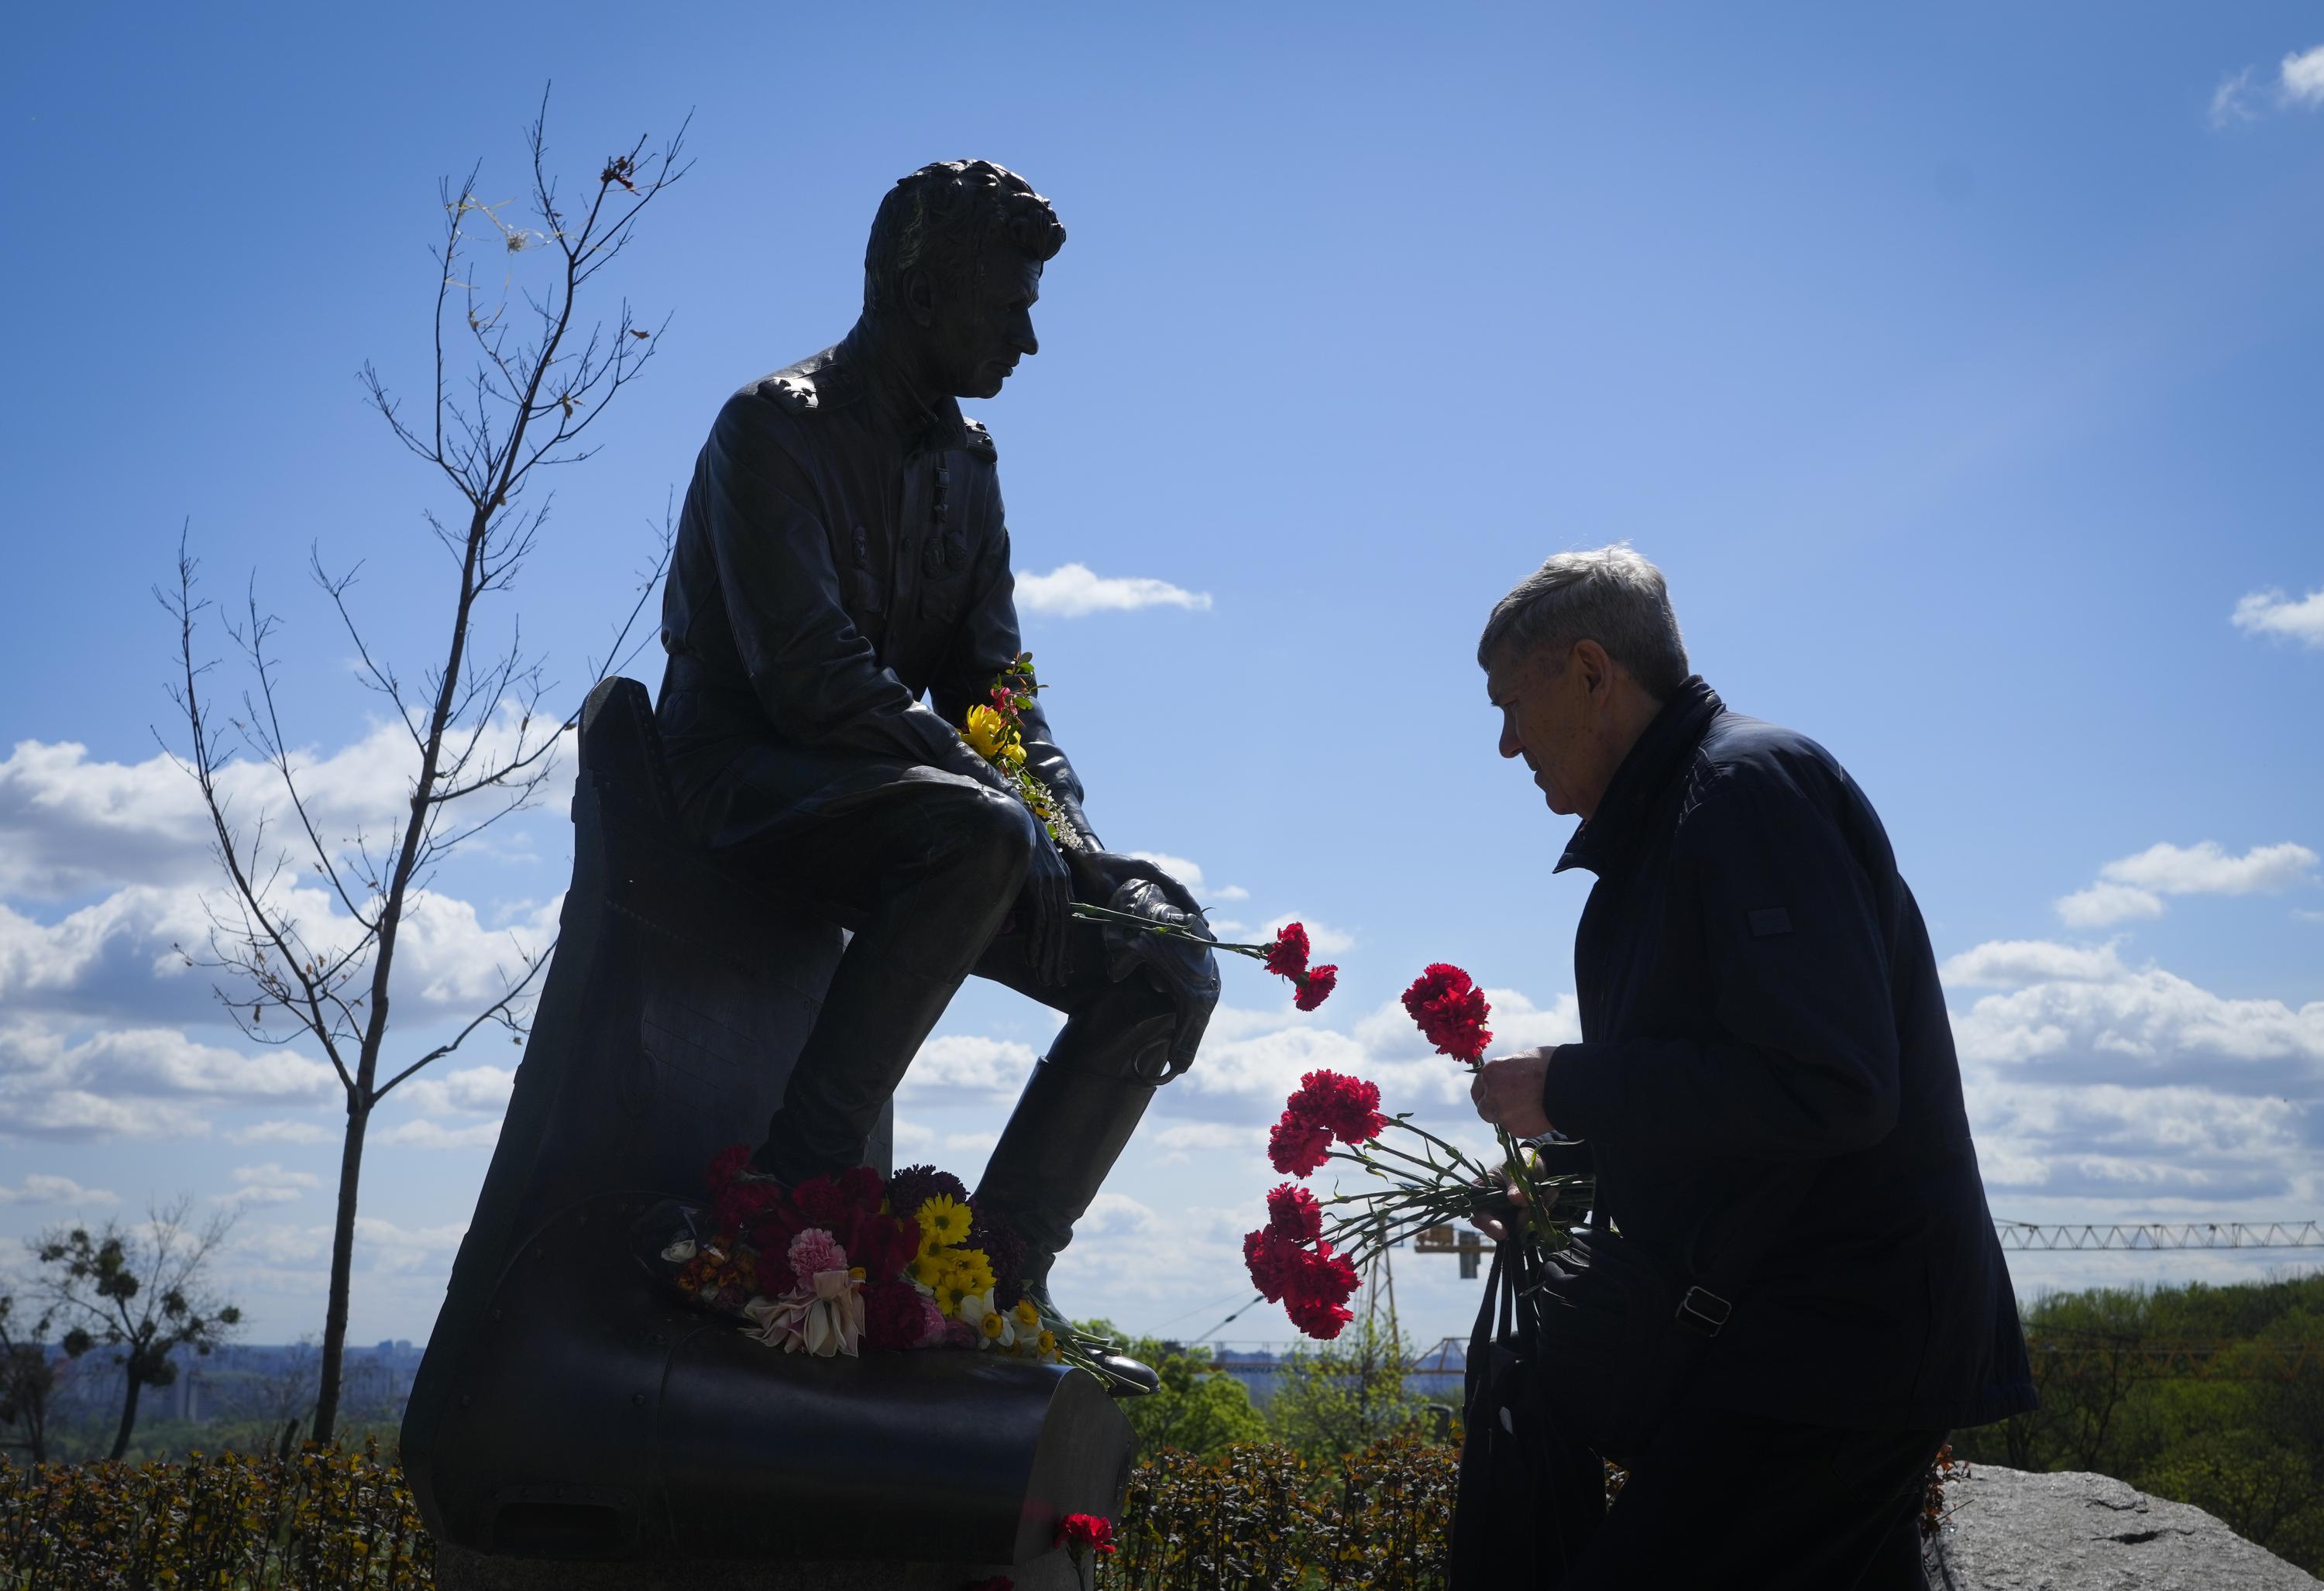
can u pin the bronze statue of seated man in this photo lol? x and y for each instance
(840, 598)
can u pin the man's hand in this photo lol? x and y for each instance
(1499, 1205)
(1101, 872)
(1507, 1092)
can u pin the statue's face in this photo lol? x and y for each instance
(979, 330)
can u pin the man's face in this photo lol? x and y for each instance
(1547, 719)
(982, 328)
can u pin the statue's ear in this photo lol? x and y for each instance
(919, 291)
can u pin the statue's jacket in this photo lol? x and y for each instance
(1757, 988)
(839, 596)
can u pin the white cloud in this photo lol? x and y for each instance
(1071, 591)
(2231, 100)
(280, 1132)
(1190, 874)
(966, 1063)
(1179, 1141)
(2134, 886)
(2205, 869)
(2102, 904)
(2088, 1079)
(474, 1089)
(2302, 76)
(138, 1081)
(41, 1188)
(423, 1134)
(2270, 612)
(268, 1184)
(2014, 964)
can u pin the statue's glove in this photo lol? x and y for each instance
(1178, 964)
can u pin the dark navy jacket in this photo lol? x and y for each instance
(1757, 988)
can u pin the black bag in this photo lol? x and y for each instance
(1529, 1496)
(1617, 1336)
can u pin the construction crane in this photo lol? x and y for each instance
(1468, 1244)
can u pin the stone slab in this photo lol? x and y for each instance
(2017, 1531)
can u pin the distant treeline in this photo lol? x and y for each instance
(2210, 1395)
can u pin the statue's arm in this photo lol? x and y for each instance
(986, 642)
(814, 673)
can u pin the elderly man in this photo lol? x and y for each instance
(839, 598)
(1757, 993)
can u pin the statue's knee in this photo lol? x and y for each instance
(986, 836)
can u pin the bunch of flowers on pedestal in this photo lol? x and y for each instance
(842, 1262)
(1311, 1252)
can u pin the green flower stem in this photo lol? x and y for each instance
(1454, 1150)
(1096, 913)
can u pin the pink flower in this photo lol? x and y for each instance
(813, 1252)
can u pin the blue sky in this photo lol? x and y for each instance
(1960, 369)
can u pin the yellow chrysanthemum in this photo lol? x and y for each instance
(992, 1326)
(1026, 1315)
(929, 1270)
(946, 1217)
(966, 1270)
(987, 731)
(1015, 753)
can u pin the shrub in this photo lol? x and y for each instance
(321, 1520)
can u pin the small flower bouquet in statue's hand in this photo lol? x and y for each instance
(995, 730)
(1309, 1255)
(853, 1261)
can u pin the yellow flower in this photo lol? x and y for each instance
(1026, 1315)
(987, 731)
(967, 1270)
(946, 1217)
(1015, 753)
(929, 1270)
(992, 1326)
(1049, 1345)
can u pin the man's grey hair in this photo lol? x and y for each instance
(1608, 594)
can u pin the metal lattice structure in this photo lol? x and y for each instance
(2161, 1234)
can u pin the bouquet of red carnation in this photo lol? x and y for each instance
(1309, 1254)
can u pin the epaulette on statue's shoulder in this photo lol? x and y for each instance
(793, 393)
(980, 440)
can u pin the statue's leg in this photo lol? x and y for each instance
(927, 869)
(1079, 1109)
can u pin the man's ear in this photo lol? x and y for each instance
(919, 295)
(1597, 668)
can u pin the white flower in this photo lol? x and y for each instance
(994, 1328)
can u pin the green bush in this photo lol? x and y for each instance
(323, 1520)
(1257, 1518)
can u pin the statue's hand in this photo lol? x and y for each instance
(1101, 872)
(1048, 898)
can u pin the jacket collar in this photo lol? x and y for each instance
(1609, 835)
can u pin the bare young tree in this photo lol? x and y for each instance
(539, 376)
(143, 1292)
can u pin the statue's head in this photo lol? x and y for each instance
(953, 267)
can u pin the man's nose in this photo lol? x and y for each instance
(1021, 335)
(1510, 745)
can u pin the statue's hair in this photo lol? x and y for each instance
(1608, 594)
(940, 217)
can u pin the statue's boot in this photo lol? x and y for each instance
(1071, 1124)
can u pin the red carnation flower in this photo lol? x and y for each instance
(1085, 1532)
(1292, 1212)
(1316, 986)
(1451, 1011)
(892, 1315)
(1348, 1108)
(1270, 1257)
(1317, 1319)
(1286, 955)
(1297, 1144)
(726, 1164)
